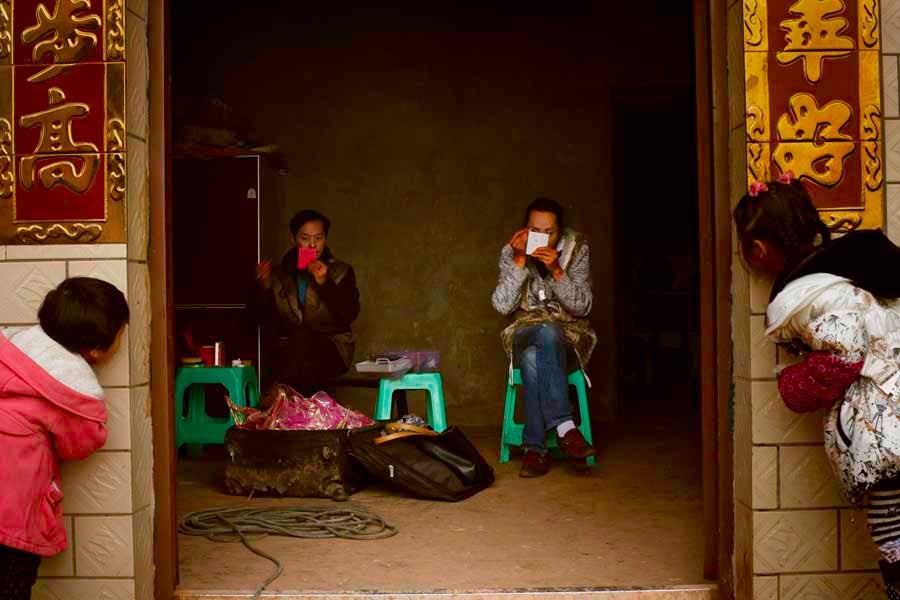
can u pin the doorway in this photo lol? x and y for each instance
(616, 466)
(657, 258)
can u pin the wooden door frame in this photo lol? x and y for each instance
(715, 238)
(713, 173)
(162, 347)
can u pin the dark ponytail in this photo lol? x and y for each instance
(784, 215)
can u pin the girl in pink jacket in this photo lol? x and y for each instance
(51, 409)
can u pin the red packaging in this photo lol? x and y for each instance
(305, 256)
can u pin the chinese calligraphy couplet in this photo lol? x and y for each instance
(62, 132)
(813, 102)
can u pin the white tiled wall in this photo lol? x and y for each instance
(100, 484)
(112, 271)
(118, 406)
(25, 285)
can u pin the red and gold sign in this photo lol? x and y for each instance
(813, 92)
(62, 121)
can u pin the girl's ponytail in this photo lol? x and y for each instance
(782, 213)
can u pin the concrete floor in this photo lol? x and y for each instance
(635, 521)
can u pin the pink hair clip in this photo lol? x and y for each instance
(786, 177)
(756, 187)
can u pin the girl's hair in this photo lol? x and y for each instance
(84, 313)
(782, 214)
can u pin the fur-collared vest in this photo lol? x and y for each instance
(531, 298)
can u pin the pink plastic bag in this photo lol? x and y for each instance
(292, 411)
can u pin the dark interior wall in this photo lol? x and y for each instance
(425, 145)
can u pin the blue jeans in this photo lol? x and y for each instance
(541, 356)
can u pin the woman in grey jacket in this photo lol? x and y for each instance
(548, 297)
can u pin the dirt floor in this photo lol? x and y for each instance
(635, 520)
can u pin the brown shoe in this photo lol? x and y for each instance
(534, 464)
(574, 444)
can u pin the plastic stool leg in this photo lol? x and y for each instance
(179, 414)
(509, 412)
(384, 401)
(253, 382)
(438, 416)
(196, 419)
(584, 412)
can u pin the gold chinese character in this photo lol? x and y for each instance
(806, 121)
(56, 138)
(815, 35)
(821, 154)
(66, 34)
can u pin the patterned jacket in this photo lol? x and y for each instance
(853, 366)
(530, 298)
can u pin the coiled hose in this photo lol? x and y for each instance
(251, 524)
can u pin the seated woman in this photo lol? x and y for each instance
(548, 297)
(304, 307)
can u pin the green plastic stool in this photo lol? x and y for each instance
(197, 427)
(512, 431)
(430, 382)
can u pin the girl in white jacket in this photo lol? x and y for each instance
(837, 304)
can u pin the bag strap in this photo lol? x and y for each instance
(397, 426)
(396, 431)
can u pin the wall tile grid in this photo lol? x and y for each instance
(108, 497)
(890, 67)
(804, 540)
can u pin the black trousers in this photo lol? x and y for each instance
(306, 360)
(18, 572)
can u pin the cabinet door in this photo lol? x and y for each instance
(215, 242)
(215, 235)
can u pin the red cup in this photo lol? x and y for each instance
(208, 355)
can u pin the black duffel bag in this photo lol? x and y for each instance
(437, 466)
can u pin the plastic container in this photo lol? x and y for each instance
(423, 361)
(219, 354)
(385, 366)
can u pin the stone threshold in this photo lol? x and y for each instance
(694, 592)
